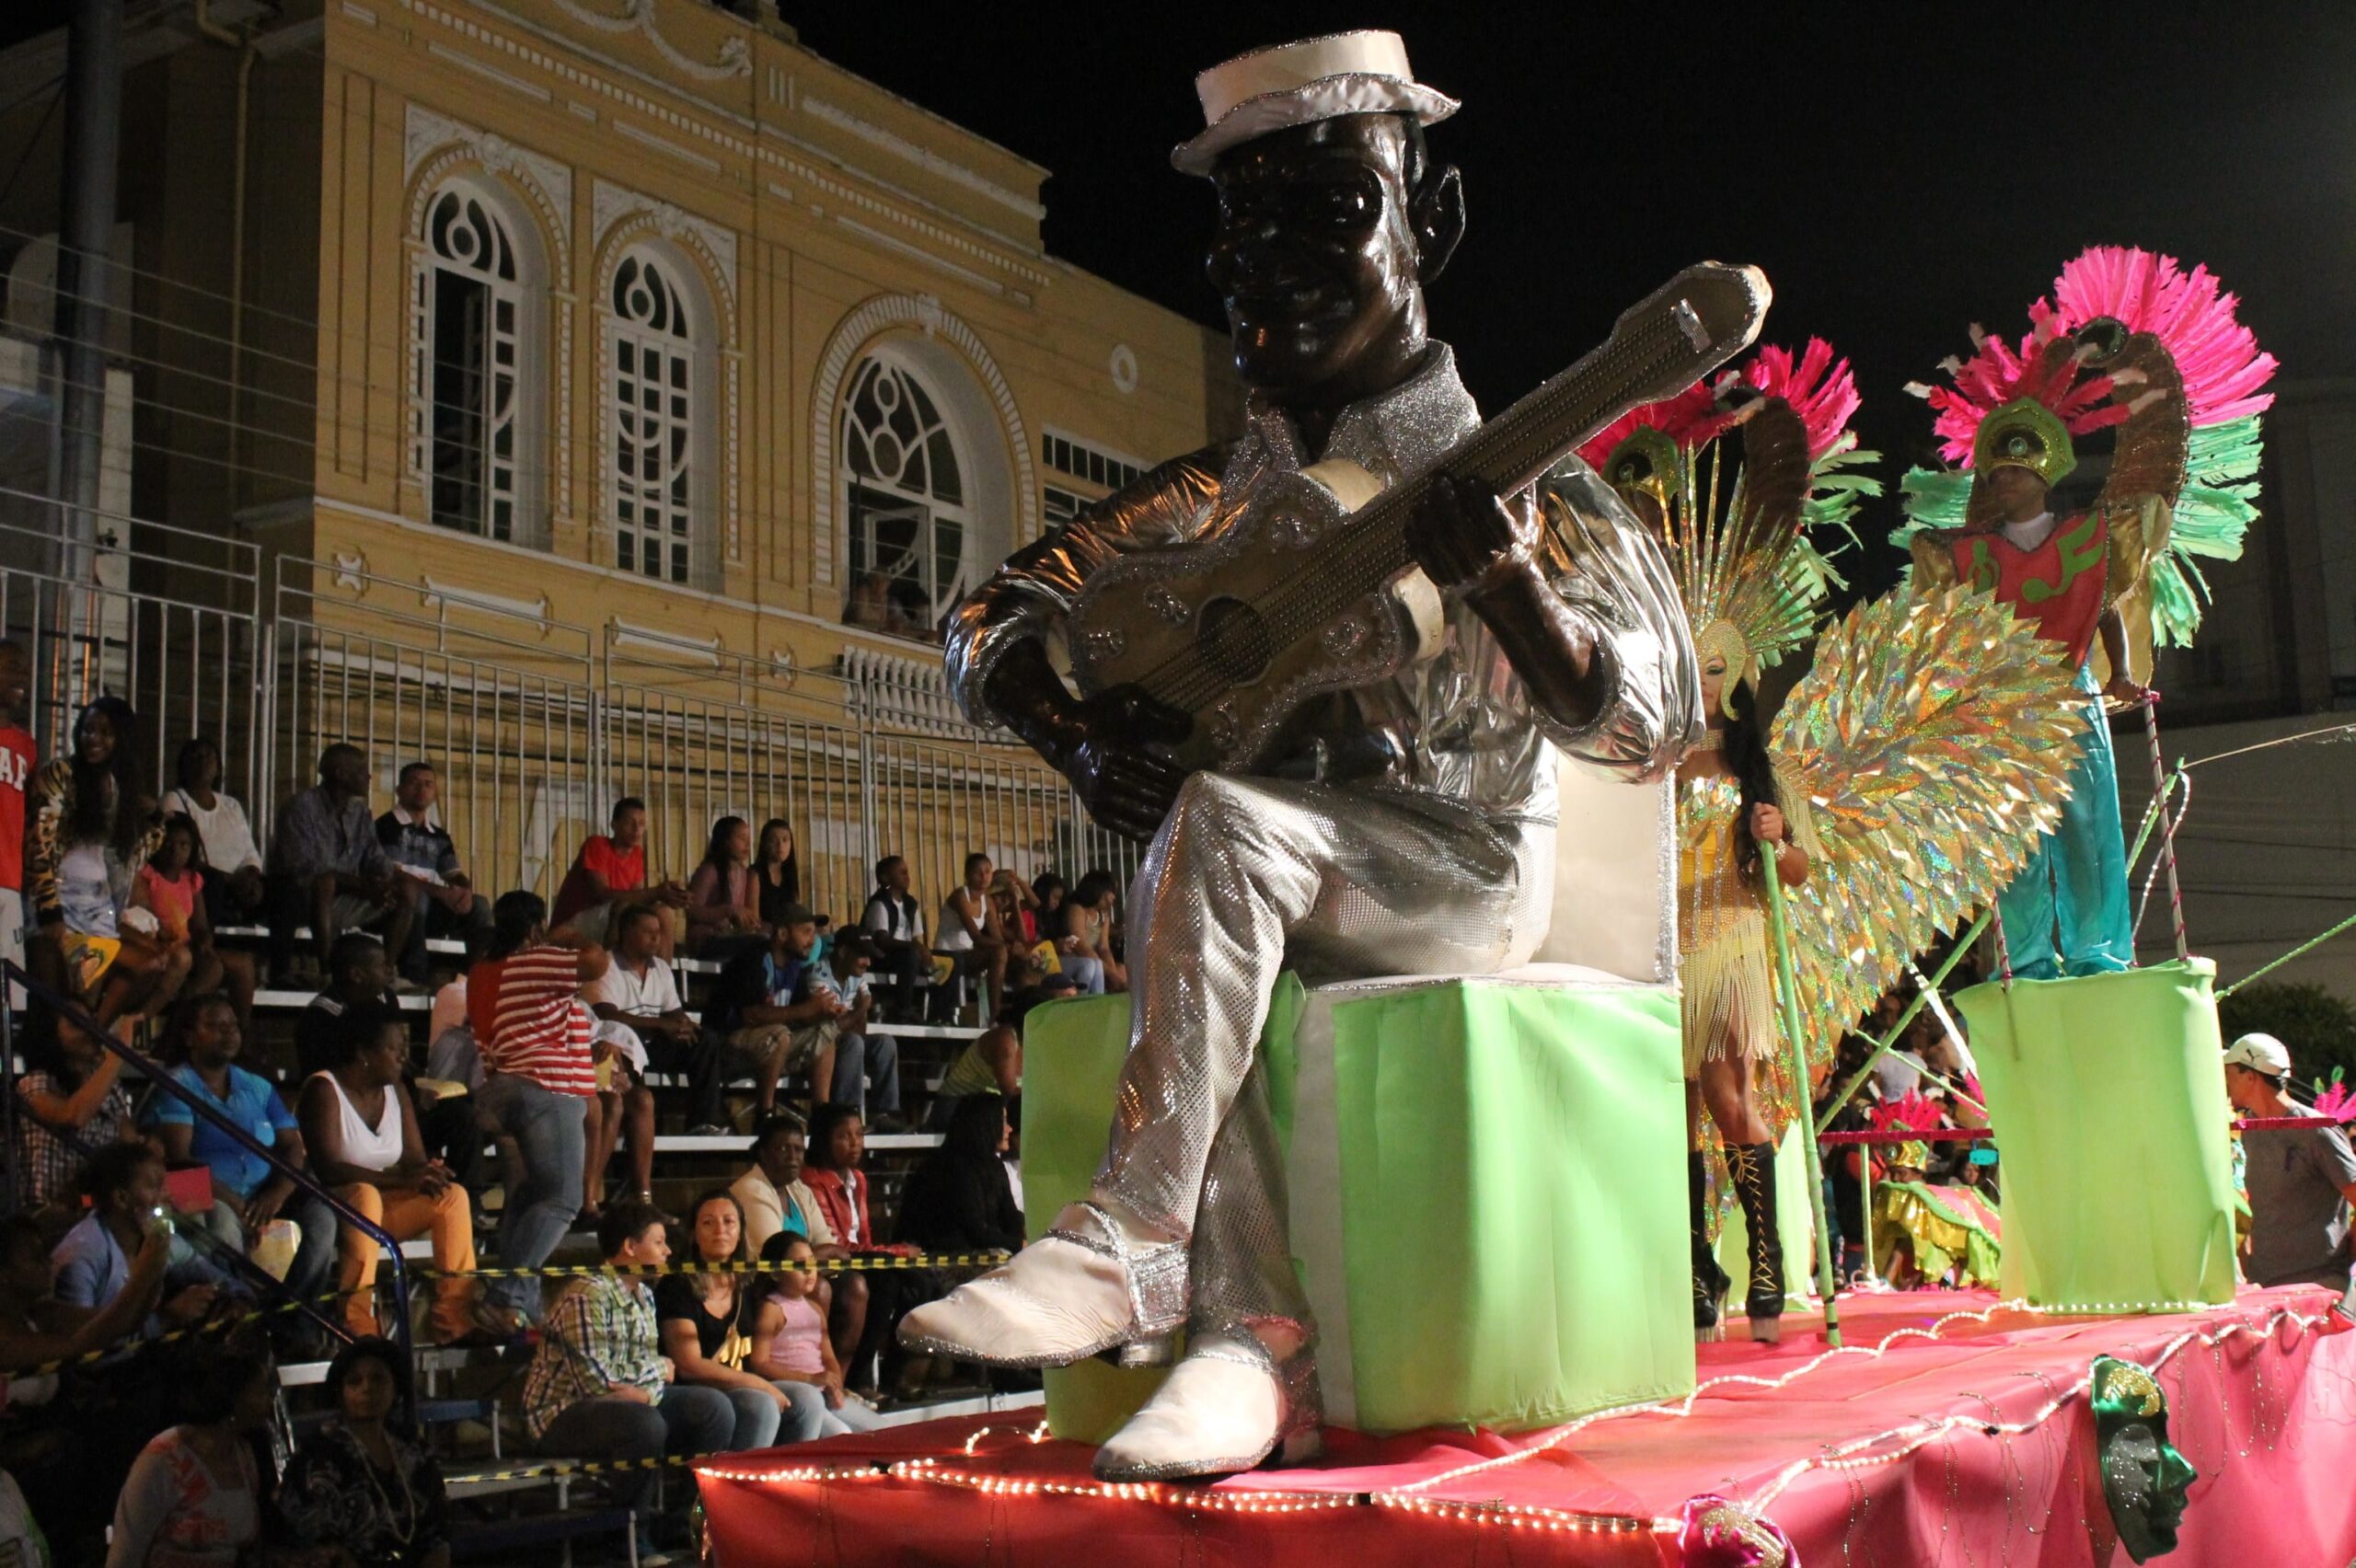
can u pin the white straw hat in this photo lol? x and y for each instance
(1299, 84)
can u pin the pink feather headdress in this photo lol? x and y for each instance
(1818, 384)
(2189, 313)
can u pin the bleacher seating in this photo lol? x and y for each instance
(467, 1399)
(506, 1500)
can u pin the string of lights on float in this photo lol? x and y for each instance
(1415, 1498)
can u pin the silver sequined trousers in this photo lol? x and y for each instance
(1248, 877)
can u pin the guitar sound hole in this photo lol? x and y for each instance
(1234, 640)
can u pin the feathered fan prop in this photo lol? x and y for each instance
(1928, 747)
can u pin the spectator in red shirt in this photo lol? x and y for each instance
(16, 757)
(610, 876)
(538, 1073)
(831, 1170)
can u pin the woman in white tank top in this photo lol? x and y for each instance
(360, 1130)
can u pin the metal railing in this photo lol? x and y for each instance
(162, 1082)
(536, 726)
(185, 669)
(535, 739)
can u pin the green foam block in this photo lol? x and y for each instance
(2110, 1109)
(1487, 1195)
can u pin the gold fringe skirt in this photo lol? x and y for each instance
(1728, 985)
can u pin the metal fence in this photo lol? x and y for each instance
(535, 726)
(695, 752)
(176, 636)
(514, 745)
(536, 734)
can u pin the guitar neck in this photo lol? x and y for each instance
(1507, 454)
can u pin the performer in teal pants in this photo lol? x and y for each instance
(2138, 344)
(2066, 912)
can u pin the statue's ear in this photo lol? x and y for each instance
(1436, 212)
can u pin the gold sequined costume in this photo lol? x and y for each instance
(1727, 974)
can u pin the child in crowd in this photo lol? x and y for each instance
(171, 888)
(790, 1343)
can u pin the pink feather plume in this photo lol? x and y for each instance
(1910, 1112)
(1820, 389)
(2191, 315)
(1690, 419)
(1818, 384)
(2000, 373)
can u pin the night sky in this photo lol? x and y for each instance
(1898, 175)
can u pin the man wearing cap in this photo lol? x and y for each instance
(770, 1020)
(1415, 812)
(2300, 1180)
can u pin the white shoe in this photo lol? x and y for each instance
(1086, 1286)
(1226, 1408)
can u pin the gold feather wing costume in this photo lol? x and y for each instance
(1917, 761)
(1927, 747)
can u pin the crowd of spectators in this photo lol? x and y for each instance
(237, 1181)
(135, 1219)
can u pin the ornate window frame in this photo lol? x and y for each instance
(702, 256)
(923, 327)
(533, 193)
(905, 386)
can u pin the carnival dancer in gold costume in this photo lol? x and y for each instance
(1901, 784)
(1753, 590)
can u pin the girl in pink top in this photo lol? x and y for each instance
(724, 901)
(790, 1344)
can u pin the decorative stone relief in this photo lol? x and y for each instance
(734, 57)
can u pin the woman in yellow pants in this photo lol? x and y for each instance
(360, 1127)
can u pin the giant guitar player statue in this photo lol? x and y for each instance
(1406, 824)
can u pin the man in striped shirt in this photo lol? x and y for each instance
(539, 1069)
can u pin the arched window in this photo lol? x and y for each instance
(905, 502)
(475, 352)
(658, 409)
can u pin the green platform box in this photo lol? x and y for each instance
(2110, 1109)
(1487, 1191)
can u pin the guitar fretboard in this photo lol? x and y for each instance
(1507, 454)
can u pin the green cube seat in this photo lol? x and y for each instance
(1487, 1191)
(2108, 1103)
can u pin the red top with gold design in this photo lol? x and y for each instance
(2059, 584)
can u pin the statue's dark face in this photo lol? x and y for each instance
(1320, 254)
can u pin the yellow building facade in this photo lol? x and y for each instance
(669, 384)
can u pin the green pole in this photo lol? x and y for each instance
(2151, 814)
(1866, 1204)
(1897, 1030)
(2270, 968)
(1827, 1283)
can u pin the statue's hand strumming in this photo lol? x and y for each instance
(1126, 786)
(1100, 744)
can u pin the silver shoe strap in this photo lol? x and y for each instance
(1294, 1376)
(1156, 1275)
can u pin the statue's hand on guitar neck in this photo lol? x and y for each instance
(1101, 743)
(1463, 536)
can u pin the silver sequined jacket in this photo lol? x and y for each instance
(1462, 723)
